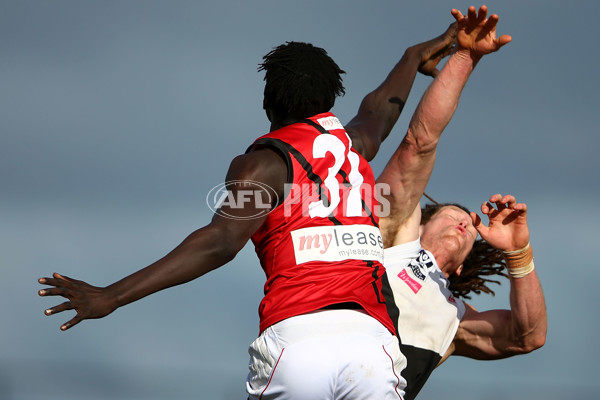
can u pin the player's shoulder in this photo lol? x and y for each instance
(257, 164)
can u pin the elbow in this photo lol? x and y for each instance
(423, 143)
(538, 342)
(213, 247)
(225, 249)
(532, 343)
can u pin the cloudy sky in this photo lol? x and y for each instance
(118, 117)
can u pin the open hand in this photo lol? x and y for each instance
(88, 301)
(477, 33)
(507, 230)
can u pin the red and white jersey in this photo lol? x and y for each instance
(321, 245)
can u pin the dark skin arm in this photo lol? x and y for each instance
(202, 251)
(380, 109)
(217, 243)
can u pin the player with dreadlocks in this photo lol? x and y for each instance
(482, 261)
(324, 328)
(432, 256)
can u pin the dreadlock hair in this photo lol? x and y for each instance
(481, 262)
(301, 80)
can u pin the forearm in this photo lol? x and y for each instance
(201, 252)
(528, 312)
(439, 102)
(380, 109)
(387, 101)
(410, 167)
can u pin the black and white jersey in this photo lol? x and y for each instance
(424, 310)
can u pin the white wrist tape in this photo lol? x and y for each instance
(519, 263)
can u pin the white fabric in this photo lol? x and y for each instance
(326, 355)
(429, 313)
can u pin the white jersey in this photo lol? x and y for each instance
(425, 311)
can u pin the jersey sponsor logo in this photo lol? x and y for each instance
(451, 299)
(412, 284)
(416, 269)
(424, 260)
(420, 265)
(337, 243)
(330, 123)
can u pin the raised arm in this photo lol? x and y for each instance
(202, 251)
(409, 169)
(502, 333)
(380, 109)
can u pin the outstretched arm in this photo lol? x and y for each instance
(410, 167)
(502, 333)
(380, 109)
(202, 251)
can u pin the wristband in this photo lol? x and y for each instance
(519, 263)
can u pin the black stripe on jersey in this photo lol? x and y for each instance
(315, 125)
(281, 148)
(420, 364)
(369, 213)
(390, 304)
(371, 264)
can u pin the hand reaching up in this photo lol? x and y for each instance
(477, 33)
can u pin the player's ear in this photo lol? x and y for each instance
(458, 270)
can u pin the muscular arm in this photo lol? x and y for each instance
(502, 333)
(202, 251)
(496, 334)
(380, 109)
(409, 169)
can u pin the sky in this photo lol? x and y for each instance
(118, 117)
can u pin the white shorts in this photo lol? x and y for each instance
(326, 355)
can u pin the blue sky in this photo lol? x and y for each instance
(118, 117)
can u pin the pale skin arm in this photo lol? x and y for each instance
(202, 251)
(498, 334)
(380, 109)
(409, 169)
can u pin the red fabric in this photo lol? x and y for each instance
(296, 288)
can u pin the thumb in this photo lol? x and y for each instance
(481, 228)
(502, 40)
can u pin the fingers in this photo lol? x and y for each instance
(458, 16)
(481, 228)
(482, 13)
(491, 23)
(506, 202)
(59, 308)
(475, 218)
(490, 26)
(56, 291)
(74, 321)
(58, 282)
(472, 13)
(479, 22)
